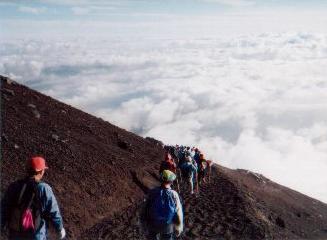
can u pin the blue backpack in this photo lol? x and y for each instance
(162, 208)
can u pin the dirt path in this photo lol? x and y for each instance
(217, 212)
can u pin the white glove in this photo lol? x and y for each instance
(179, 230)
(62, 233)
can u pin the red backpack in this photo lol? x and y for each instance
(168, 165)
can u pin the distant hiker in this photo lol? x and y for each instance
(181, 156)
(29, 204)
(189, 173)
(169, 164)
(203, 169)
(210, 163)
(196, 156)
(192, 152)
(187, 151)
(162, 214)
(172, 151)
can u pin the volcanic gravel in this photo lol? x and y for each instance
(100, 174)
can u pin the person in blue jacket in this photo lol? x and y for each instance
(29, 204)
(189, 171)
(162, 213)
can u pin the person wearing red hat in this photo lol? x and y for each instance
(168, 164)
(29, 204)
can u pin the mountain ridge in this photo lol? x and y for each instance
(100, 173)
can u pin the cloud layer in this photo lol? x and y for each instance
(256, 102)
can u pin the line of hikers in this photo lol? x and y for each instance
(29, 204)
(162, 214)
(188, 164)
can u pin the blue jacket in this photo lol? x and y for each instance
(146, 220)
(49, 209)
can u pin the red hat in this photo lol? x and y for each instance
(37, 163)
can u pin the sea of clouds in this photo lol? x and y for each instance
(257, 102)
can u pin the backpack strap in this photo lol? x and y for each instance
(38, 205)
(31, 200)
(22, 191)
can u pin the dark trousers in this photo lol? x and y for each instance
(19, 236)
(161, 232)
(161, 236)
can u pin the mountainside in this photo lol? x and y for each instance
(100, 173)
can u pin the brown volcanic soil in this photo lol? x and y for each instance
(100, 172)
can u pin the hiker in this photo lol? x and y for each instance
(28, 205)
(176, 151)
(210, 163)
(196, 156)
(187, 151)
(162, 215)
(169, 164)
(203, 169)
(189, 173)
(181, 156)
(192, 152)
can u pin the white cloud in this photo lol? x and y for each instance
(32, 10)
(255, 101)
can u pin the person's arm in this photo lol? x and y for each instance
(179, 224)
(51, 210)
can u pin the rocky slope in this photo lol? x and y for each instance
(100, 172)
